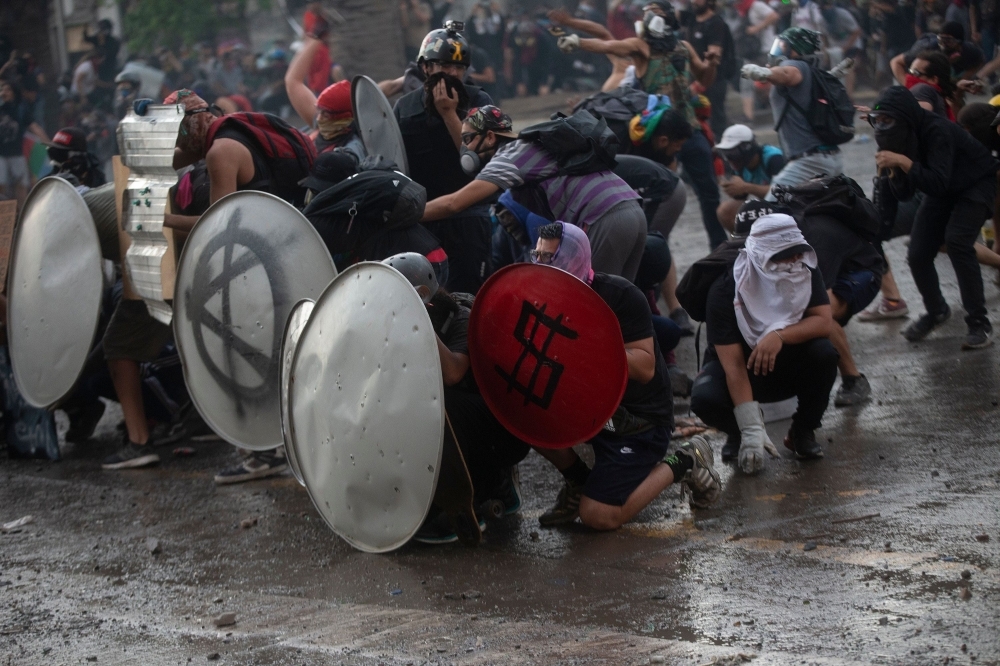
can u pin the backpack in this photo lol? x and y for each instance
(581, 143)
(838, 197)
(830, 113)
(692, 291)
(617, 107)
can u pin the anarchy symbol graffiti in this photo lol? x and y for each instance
(242, 251)
(534, 325)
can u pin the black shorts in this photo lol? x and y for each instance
(857, 290)
(621, 463)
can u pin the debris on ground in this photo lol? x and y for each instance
(225, 620)
(17, 524)
(247, 523)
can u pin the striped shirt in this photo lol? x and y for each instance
(577, 200)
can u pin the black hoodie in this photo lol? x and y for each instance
(948, 160)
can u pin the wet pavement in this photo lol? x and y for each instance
(885, 552)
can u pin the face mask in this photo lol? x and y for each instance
(470, 161)
(898, 139)
(331, 128)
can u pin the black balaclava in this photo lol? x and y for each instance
(899, 103)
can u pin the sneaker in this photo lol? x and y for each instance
(702, 481)
(886, 309)
(980, 336)
(567, 507)
(186, 425)
(681, 318)
(437, 529)
(258, 465)
(731, 449)
(804, 444)
(130, 456)
(852, 391)
(680, 383)
(509, 492)
(922, 327)
(83, 422)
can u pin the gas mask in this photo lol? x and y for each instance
(654, 30)
(778, 53)
(470, 160)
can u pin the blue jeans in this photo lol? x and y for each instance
(696, 158)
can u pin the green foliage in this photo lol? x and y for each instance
(152, 23)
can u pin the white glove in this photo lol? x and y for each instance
(569, 43)
(753, 437)
(755, 72)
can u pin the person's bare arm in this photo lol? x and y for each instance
(391, 87)
(229, 165)
(302, 99)
(771, 19)
(737, 380)
(898, 67)
(704, 70)
(626, 48)
(785, 76)
(562, 17)
(641, 357)
(456, 202)
(988, 68)
(453, 365)
(38, 131)
(816, 323)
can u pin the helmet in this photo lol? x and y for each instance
(416, 268)
(446, 45)
(802, 40)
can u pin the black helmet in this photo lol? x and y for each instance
(446, 45)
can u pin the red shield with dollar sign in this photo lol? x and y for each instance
(547, 354)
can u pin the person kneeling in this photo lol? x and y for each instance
(632, 464)
(768, 322)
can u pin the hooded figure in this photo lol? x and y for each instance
(573, 255)
(772, 294)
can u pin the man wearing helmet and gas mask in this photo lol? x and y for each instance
(430, 120)
(791, 59)
(665, 65)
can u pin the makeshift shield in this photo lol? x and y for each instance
(54, 292)
(376, 122)
(547, 354)
(250, 258)
(289, 341)
(366, 407)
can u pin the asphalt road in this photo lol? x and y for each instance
(885, 552)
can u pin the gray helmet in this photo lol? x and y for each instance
(416, 268)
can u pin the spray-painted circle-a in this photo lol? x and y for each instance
(548, 355)
(249, 259)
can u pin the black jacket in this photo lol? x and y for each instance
(949, 160)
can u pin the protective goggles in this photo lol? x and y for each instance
(881, 121)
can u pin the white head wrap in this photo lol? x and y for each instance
(771, 296)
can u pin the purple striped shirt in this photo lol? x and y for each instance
(578, 200)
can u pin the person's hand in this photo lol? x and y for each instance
(569, 43)
(712, 58)
(862, 109)
(971, 86)
(734, 187)
(444, 100)
(886, 159)
(752, 30)
(755, 72)
(753, 437)
(764, 355)
(560, 16)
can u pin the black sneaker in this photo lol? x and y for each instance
(567, 507)
(130, 456)
(437, 529)
(731, 449)
(919, 329)
(681, 318)
(852, 391)
(509, 493)
(83, 422)
(258, 465)
(979, 336)
(803, 443)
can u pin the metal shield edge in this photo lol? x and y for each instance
(10, 270)
(500, 416)
(437, 467)
(361, 79)
(184, 253)
(297, 319)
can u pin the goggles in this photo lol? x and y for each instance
(881, 121)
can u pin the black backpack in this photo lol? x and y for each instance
(581, 143)
(838, 197)
(830, 112)
(692, 291)
(618, 107)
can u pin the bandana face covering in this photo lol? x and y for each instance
(332, 128)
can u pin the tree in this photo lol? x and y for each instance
(151, 23)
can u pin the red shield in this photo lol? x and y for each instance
(548, 355)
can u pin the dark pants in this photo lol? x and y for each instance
(806, 371)
(466, 241)
(488, 448)
(668, 334)
(696, 157)
(716, 94)
(954, 222)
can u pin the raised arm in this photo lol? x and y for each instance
(703, 70)
(633, 46)
(562, 17)
(303, 99)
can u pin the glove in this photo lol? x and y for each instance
(753, 437)
(140, 105)
(755, 72)
(569, 43)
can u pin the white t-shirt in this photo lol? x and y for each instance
(84, 78)
(758, 13)
(809, 16)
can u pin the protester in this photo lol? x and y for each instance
(929, 80)
(957, 175)
(791, 94)
(85, 80)
(964, 56)
(753, 37)
(600, 202)
(844, 38)
(415, 16)
(16, 118)
(708, 33)
(750, 168)
(768, 320)
(632, 463)
(72, 160)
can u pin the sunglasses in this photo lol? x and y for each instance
(538, 257)
(917, 72)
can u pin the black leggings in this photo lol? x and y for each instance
(806, 371)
